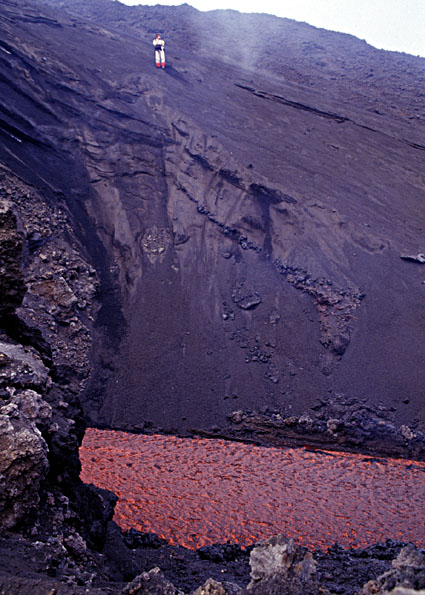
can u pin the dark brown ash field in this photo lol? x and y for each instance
(246, 219)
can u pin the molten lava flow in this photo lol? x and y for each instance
(196, 492)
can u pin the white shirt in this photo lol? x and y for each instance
(158, 43)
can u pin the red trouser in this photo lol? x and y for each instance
(160, 57)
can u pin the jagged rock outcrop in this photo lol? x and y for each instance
(23, 412)
(12, 285)
(23, 460)
(212, 587)
(46, 311)
(152, 582)
(407, 575)
(337, 423)
(278, 567)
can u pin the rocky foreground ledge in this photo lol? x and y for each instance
(278, 567)
(273, 567)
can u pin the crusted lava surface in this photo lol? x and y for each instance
(197, 492)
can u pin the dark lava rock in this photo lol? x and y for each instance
(23, 455)
(245, 298)
(151, 583)
(222, 553)
(134, 539)
(420, 258)
(212, 587)
(12, 284)
(278, 567)
(345, 571)
(337, 423)
(407, 572)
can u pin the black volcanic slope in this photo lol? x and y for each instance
(247, 214)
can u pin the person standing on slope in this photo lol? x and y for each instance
(159, 51)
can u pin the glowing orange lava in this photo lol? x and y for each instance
(196, 492)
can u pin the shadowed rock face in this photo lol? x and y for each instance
(12, 284)
(246, 224)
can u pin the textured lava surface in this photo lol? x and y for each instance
(197, 492)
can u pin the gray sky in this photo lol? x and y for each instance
(389, 24)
